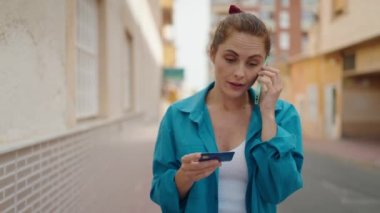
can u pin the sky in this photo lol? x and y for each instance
(191, 35)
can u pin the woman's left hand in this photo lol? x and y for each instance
(271, 87)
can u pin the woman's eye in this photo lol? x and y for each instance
(230, 60)
(253, 64)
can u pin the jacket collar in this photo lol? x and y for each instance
(196, 104)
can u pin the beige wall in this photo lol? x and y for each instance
(356, 24)
(32, 69)
(37, 63)
(148, 58)
(367, 57)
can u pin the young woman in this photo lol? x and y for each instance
(265, 137)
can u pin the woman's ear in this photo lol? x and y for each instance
(212, 54)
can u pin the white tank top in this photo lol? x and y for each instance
(233, 180)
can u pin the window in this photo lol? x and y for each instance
(284, 19)
(127, 67)
(339, 6)
(267, 17)
(87, 94)
(284, 41)
(305, 41)
(269, 2)
(312, 95)
(349, 61)
(334, 105)
(308, 19)
(285, 3)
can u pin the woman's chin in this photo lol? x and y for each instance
(234, 93)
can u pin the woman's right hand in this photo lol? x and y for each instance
(192, 170)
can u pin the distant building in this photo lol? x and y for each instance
(335, 80)
(173, 76)
(288, 21)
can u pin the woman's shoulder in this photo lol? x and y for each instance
(191, 103)
(184, 103)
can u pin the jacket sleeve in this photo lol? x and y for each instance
(280, 159)
(164, 190)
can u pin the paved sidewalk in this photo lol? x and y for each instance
(364, 152)
(121, 171)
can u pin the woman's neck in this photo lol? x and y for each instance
(218, 99)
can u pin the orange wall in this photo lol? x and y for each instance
(309, 78)
(332, 75)
(303, 74)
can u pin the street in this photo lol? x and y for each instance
(330, 183)
(333, 185)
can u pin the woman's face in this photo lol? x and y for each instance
(237, 62)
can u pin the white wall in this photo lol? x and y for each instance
(191, 25)
(148, 58)
(32, 68)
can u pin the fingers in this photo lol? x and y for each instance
(270, 79)
(199, 166)
(195, 170)
(266, 83)
(271, 69)
(197, 174)
(191, 157)
(271, 75)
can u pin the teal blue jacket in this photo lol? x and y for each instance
(274, 166)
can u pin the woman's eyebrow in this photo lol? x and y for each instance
(250, 57)
(231, 51)
(255, 56)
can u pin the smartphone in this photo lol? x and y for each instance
(257, 93)
(258, 87)
(220, 156)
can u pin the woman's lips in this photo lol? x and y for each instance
(236, 86)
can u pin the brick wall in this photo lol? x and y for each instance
(47, 177)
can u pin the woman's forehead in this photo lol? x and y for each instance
(243, 43)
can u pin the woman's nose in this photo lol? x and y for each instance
(239, 72)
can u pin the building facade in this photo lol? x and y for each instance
(338, 77)
(72, 73)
